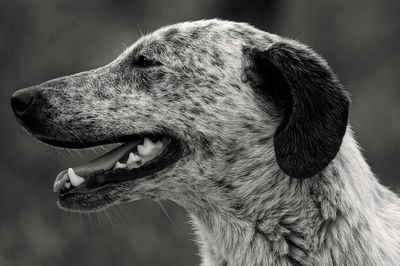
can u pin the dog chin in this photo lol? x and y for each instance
(87, 202)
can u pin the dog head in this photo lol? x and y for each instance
(201, 106)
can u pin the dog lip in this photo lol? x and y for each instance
(80, 144)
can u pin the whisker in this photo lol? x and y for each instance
(55, 149)
(95, 151)
(109, 218)
(169, 218)
(77, 136)
(140, 29)
(70, 153)
(117, 217)
(79, 153)
(104, 148)
(122, 215)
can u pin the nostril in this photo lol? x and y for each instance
(21, 100)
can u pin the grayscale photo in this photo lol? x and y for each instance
(213, 133)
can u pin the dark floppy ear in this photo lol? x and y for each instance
(313, 103)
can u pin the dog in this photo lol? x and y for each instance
(245, 129)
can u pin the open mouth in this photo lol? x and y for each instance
(141, 156)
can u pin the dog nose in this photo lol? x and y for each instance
(21, 100)
(25, 102)
(28, 105)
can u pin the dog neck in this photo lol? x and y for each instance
(337, 217)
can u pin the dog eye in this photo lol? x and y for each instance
(144, 62)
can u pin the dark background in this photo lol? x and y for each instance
(40, 40)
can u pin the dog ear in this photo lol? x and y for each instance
(312, 101)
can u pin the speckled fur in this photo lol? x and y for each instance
(245, 209)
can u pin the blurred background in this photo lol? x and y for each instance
(44, 39)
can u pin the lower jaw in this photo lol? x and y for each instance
(105, 197)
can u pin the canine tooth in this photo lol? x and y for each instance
(147, 147)
(119, 165)
(75, 179)
(133, 158)
(67, 185)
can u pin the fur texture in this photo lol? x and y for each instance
(271, 173)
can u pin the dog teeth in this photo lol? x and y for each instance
(119, 165)
(150, 149)
(134, 161)
(146, 148)
(75, 179)
(133, 158)
(66, 178)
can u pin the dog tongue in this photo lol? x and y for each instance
(106, 161)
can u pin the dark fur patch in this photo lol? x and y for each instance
(170, 34)
(238, 206)
(217, 59)
(264, 140)
(206, 144)
(203, 51)
(236, 86)
(223, 184)
(231, 159)
(213, 77)
(195, 33)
